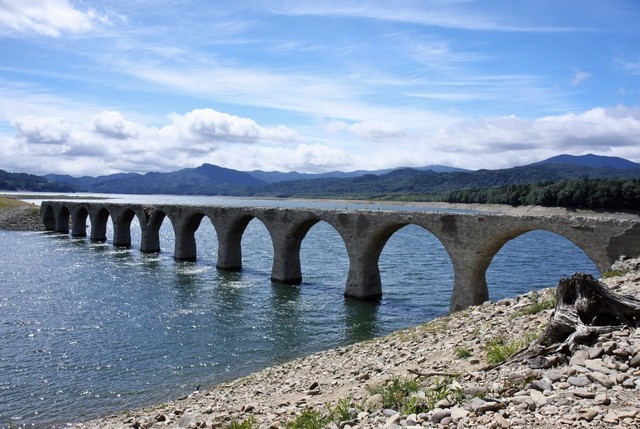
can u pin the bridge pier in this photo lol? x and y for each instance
(62, 220)
(185, 223)
(122, 228)
(185, 247)
(286, 260)
(99, 220)
(48, 217)
(122, 234)
(363, 278)
(149, 240)
(150, 222)
(229, 255)
(469, 287)
(79, 223)
(363, 282)
(229, 230)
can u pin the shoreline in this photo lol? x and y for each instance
(277, 395)
(599, 390)
(490, 208)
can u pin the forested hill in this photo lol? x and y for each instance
(31, 182)
(413, 184)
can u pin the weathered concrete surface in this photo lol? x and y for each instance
(471, 240)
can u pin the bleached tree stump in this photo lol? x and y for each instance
(585, 308)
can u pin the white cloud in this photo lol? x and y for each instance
(447, 14)
(213, 126)
(510, 140)
(43, 130)
(116, 144)
(304, 157)
(630, 66)
(580, 77)
(45, 17)
(113, 125)
(109, 143)
(368, 130)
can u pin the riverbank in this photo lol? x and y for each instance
(353, 386)
(16, 215)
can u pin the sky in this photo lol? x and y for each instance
(100, 87)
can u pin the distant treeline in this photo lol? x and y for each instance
(30, 182)
(594, 194)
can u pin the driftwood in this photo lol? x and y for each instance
(585, 308)
(433, 373)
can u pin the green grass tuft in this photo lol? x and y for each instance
(499, 349)
(613, 273)
(537, 305)
(308, 419)
(342, 411)
(463, 352)
(245, 424)
(409, 397)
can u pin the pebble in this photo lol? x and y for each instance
(578, 381)
(604, 380)
(439, 414)
(542, 385)
(588, 413)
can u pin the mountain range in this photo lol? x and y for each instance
(210, 179)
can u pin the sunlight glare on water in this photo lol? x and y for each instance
(87, 329)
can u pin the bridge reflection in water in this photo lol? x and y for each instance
(470, 239)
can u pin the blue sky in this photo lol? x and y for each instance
(99, 87)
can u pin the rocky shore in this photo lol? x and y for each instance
(445, 363)
(19, 216)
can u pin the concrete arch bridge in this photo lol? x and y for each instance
(470, 239)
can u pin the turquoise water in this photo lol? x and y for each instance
(87, 329)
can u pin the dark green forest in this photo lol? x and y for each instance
(30, 182)
(594, 194)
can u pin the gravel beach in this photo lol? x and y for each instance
(23, 217)
(598, 388)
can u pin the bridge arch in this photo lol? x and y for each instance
(499, 240)
(207, 239)
(323, 248)
(528, 262)
(425, 263)
(366, 236)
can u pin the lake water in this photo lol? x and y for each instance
(87, 329)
